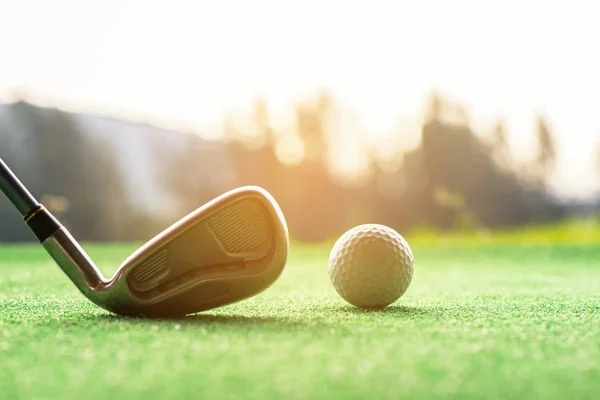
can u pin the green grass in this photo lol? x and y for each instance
(571, 231)
(494, 321)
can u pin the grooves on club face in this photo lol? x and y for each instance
(232, 248)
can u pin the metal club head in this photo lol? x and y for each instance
(231, 248)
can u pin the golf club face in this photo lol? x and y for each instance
(232, 248)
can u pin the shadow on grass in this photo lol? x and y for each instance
(206, 319)
(289, 316)
(398, 311)
(304, 318)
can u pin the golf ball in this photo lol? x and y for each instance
(371, 266)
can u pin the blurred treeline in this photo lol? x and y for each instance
(111, 180)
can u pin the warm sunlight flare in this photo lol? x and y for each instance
(188, 64)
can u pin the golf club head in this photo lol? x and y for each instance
(232, 248)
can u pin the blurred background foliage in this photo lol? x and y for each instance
(114, 180)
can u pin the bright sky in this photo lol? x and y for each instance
(192, 61)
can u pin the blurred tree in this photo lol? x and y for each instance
(311, 126)
(310, 183)
(263, 124)
(456, 159)
(434, 107)
(230, 132)
(499, 144)
(254, 164)
(500, 140)
(266, 158)
(546, 154)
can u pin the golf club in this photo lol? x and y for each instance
(229, 249)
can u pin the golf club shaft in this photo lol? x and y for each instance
(15, 191)
(55, 238)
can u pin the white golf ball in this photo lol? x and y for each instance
(371, 266)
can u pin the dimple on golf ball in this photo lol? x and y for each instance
(371, 266)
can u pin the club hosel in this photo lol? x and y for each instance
(73, 260)
(63, 248)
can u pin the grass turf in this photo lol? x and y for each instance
(488, 321)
